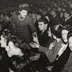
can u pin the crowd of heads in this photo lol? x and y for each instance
(60, 8)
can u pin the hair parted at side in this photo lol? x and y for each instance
(42, 19)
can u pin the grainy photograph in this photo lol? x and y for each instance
(35, 35)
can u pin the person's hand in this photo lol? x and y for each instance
(52, 45)
(49, 32)
(35, 38)
(10, 70)
(57, 57)
(34, 45)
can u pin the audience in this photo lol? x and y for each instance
(36, 37)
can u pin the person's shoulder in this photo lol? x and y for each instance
(29, 17)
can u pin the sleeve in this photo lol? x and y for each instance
(45, 49)
(11, 45)
(48, 53)
(32, 26)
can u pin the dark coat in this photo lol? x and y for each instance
(44, 38)
(51, 54)
(68, 22)
(4, 65)
(59, 64)
(54, 21)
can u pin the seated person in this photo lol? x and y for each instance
(41, 38)
(15, 54)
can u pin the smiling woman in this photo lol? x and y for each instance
(22, 15)
(23, 24)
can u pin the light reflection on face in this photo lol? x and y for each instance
(64, 35)
(23, 13)
(70, 43)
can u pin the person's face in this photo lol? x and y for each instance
(66, 15)
(41, 26)
(70, 43)
(64, 35)
(53, 13)
(23, 13)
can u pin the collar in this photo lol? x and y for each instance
(67, 18)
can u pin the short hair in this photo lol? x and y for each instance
(57, 33)
(64, 28)
(24, 7)
(43, 19)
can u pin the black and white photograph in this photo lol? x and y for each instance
(35, 35)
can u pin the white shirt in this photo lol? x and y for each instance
(13, 50)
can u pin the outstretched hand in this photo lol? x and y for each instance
(34, 45)
(35, 38)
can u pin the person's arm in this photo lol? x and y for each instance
(48, 52)
(40, 48)
(50, 47)
(32, 26)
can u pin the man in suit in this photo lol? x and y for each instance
(41, 39)
(68, 19)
